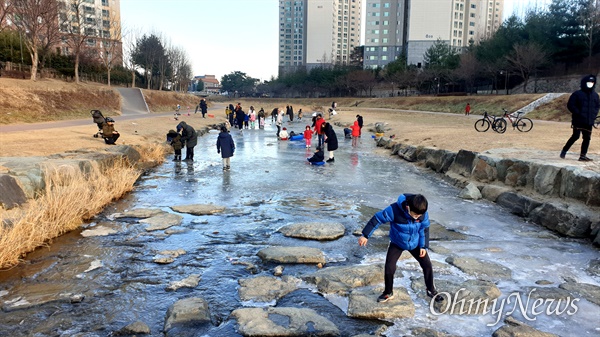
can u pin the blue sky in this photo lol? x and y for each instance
(222, 36)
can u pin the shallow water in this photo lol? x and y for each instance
(271, 185)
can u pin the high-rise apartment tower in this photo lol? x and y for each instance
(317, 33)
(412, 26)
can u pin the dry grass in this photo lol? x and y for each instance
(162, 101)
(154, 153)
(71, 197)
(555, 110)
(29, 102)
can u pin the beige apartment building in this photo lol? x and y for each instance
(317, 33)
(413, 26)
(99, 21)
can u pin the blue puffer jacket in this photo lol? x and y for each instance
(405, 232)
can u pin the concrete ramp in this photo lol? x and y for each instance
(133, 102)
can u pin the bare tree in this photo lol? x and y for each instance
(111, 49)
(5, 9)
(469, 69)
(590, 20)
(164, 61)
(361, 80)
(78, 23)
(130, 35)
(38, 20)
(526, 58)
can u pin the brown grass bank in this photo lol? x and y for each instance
(71, 198)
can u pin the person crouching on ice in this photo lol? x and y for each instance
(409, 230)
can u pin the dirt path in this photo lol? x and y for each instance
(447, 131)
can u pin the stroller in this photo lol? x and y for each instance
(99, 120)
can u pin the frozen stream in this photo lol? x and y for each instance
(271, 185)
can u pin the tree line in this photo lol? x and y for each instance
(562, 39)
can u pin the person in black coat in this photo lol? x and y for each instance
(189, 137)
(203, 107)
(226, 147)
(240, 115)
(318, 157)
(330, 139)
(583, 105)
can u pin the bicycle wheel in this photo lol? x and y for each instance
(499, 125)
(482, 125)
(524, 124)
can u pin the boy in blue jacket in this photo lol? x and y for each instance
(409, 230)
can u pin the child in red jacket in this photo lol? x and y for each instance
(308, 136)
(355, 133)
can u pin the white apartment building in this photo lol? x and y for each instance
(317, 33)
(414, 25)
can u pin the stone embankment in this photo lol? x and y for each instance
(563, 198)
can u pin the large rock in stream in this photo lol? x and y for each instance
(198, 209)
(139, 213)
(187, 311)
(162, 221)
(266, 288)
(362, 303)
(514, 328)
(485, 270)
(283, 321)
(292, 255)
(341, 280)
(314, 230)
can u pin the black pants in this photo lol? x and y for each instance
(189, 153)
(278, 130)
(393, 254)
(113, 139)
(586, 131)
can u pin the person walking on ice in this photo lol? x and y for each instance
(409, 230)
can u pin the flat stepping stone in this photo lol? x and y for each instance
(283, 321)
(162, 221)
(485, 270)
(588, 291)
(192, 310)
(198, 209)
(514, 328)
(188, 282)
(362, 303)
(314, 230)
(98, 231)
(292, 255)
(266, 288)
(341, 280)
(139, 213)
(441, 233)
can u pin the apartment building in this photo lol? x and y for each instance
(412, 26)
(98, 21)
(317, 33)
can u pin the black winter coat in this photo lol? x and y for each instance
(317, 157)
(330, 137)
(188, 135)
(225, 145)
(584, 104)
(203, 106)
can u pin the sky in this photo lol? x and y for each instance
(222, 36)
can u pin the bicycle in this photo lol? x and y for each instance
(522, 124)
(483, 124)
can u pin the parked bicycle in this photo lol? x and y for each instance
(522, 124)
(483, 124)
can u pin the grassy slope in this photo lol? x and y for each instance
(25, 101)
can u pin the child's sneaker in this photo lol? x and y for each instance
(435, 296)
(385, 297)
